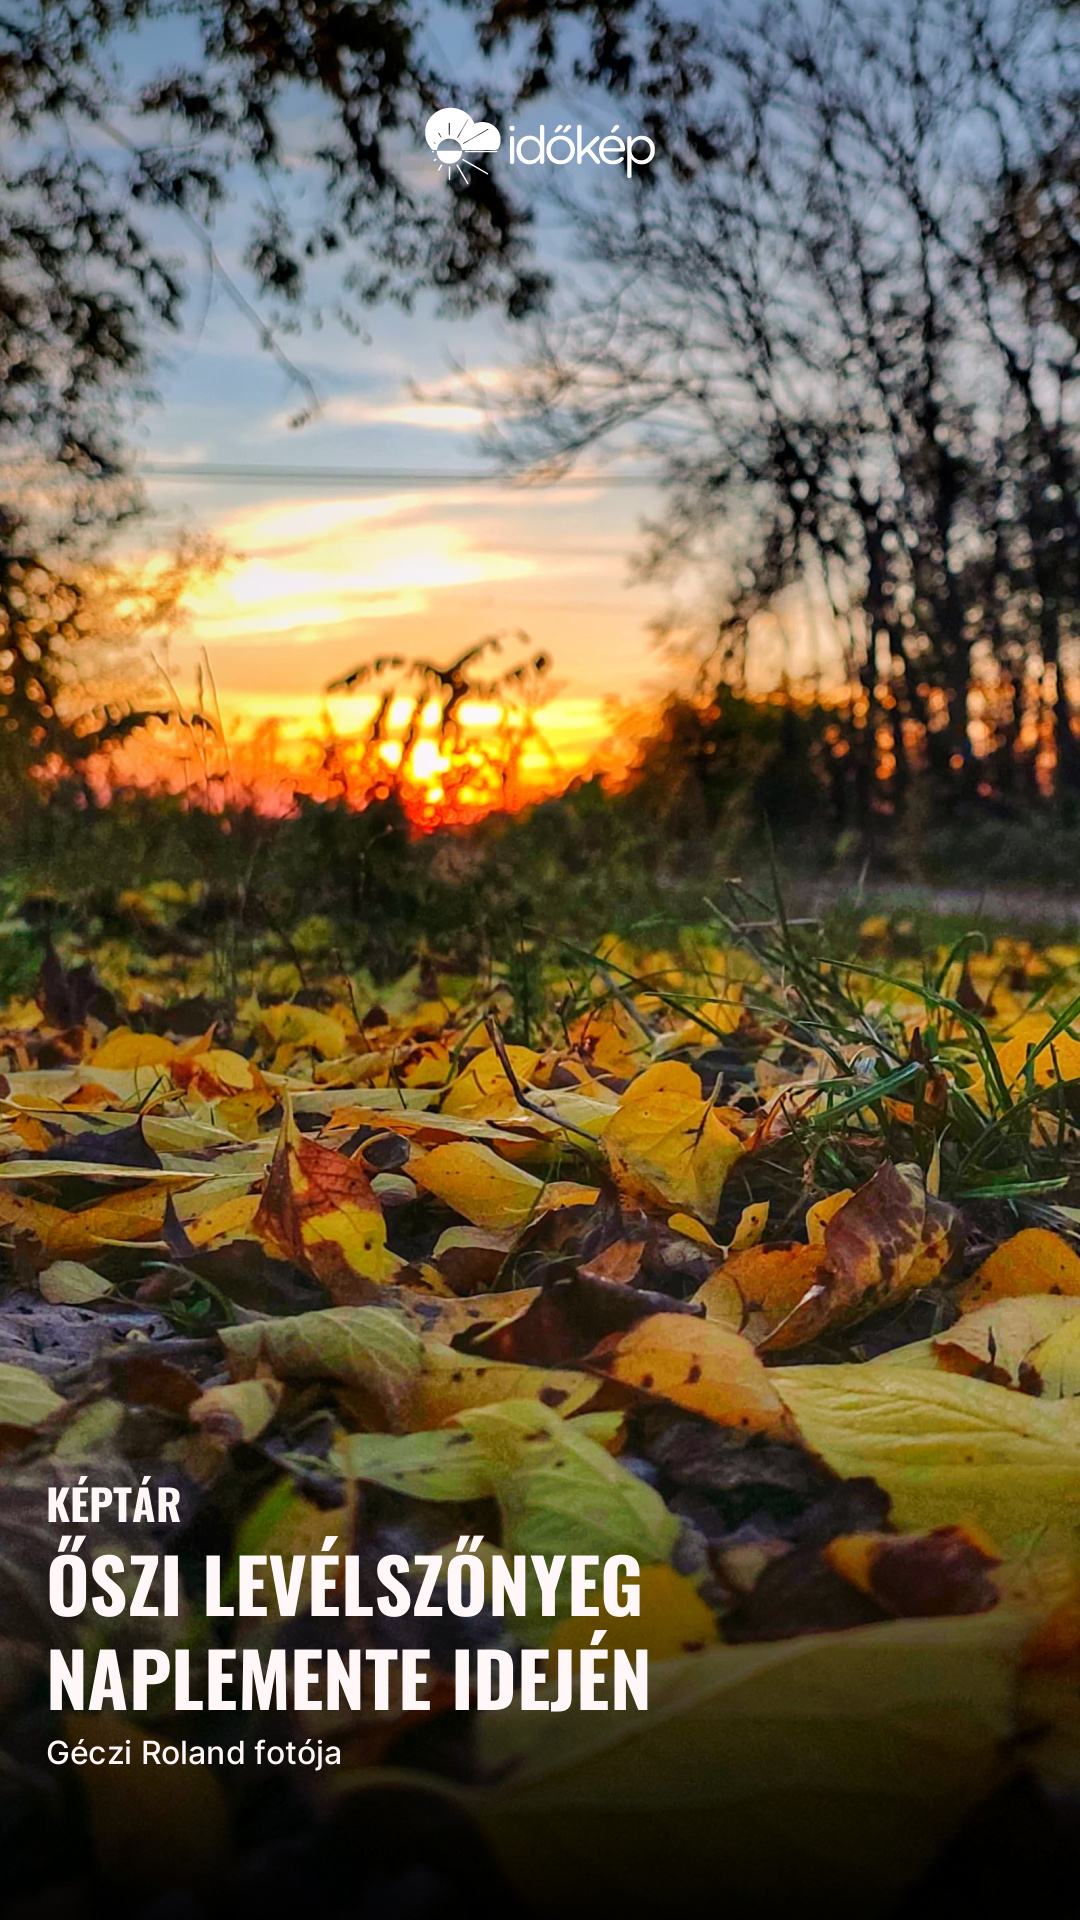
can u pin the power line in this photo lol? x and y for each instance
(385, 477)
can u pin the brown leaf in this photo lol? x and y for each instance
(318, 1210)
(919, 1575)
(569, 1317)
(618, 1262)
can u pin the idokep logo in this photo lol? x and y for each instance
(604, 150)
(454, 137)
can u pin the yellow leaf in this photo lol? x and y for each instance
(612, 1040)
(696, 1364)
(305, 1027)
(773, 1283)
(668, 1076)
(818, 1775)
(21, 1016)
(722, 1301)
(216, 1073)
(673, 1620)
(671, 1149)
(692, 1229)
(241, 1112)
(449, 1383)
(884, 1242)
(232, 1219)
(566, 1193)
(129, 1216)
(1055, 1362)
(444, 1318)
(1032, 1261)
(1060, 1060)
(819, 1215)
(994, 1341)
(237, 1412)
(129, 1051)
(482, 1090)
(750, 1226)
(486, 1191)
(365, 1348)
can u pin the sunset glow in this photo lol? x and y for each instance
(257, 753)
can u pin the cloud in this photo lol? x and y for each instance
(307, 565)
(440, 416)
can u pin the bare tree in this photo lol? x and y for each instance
(851, 335)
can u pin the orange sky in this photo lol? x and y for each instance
(313, 585)
(319, 577)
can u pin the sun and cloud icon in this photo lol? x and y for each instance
(454, 137)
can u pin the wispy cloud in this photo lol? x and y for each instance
(300, 567)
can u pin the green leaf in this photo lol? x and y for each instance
(366, 1348)
(947, 1448)
(69, 1283)
(558, 1490)
(25, 1398)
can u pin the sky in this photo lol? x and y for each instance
(320, 576)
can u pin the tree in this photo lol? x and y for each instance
(68, 637)
(93, 148)
(92, 153)
(851, 335)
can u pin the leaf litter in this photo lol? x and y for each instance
(757, 1263)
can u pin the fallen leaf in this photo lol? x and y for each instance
(290, 1026)
(1017, 1056)
(25, 1398)
(1032, 1261)
(672, 1619)
(699, 1365)
(319, 1210)
(557, 1489)
(366, 1348)
(136, 1215)
(450, 1383)
(132, 1051)
(670, 1149)
(994, 1341)
(685, 1223)
(875, 1745)
(1053, 1367)
(612, 1039)
(750, 1226)
(619, 1261)
(722, 1300)
(482, 1090)
(819, 1215)
(946, 1449)
(69, 1283)
(944, 1572)
(237, 1412)
(772, 1282)
(486, 1190)
(569, 1316)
